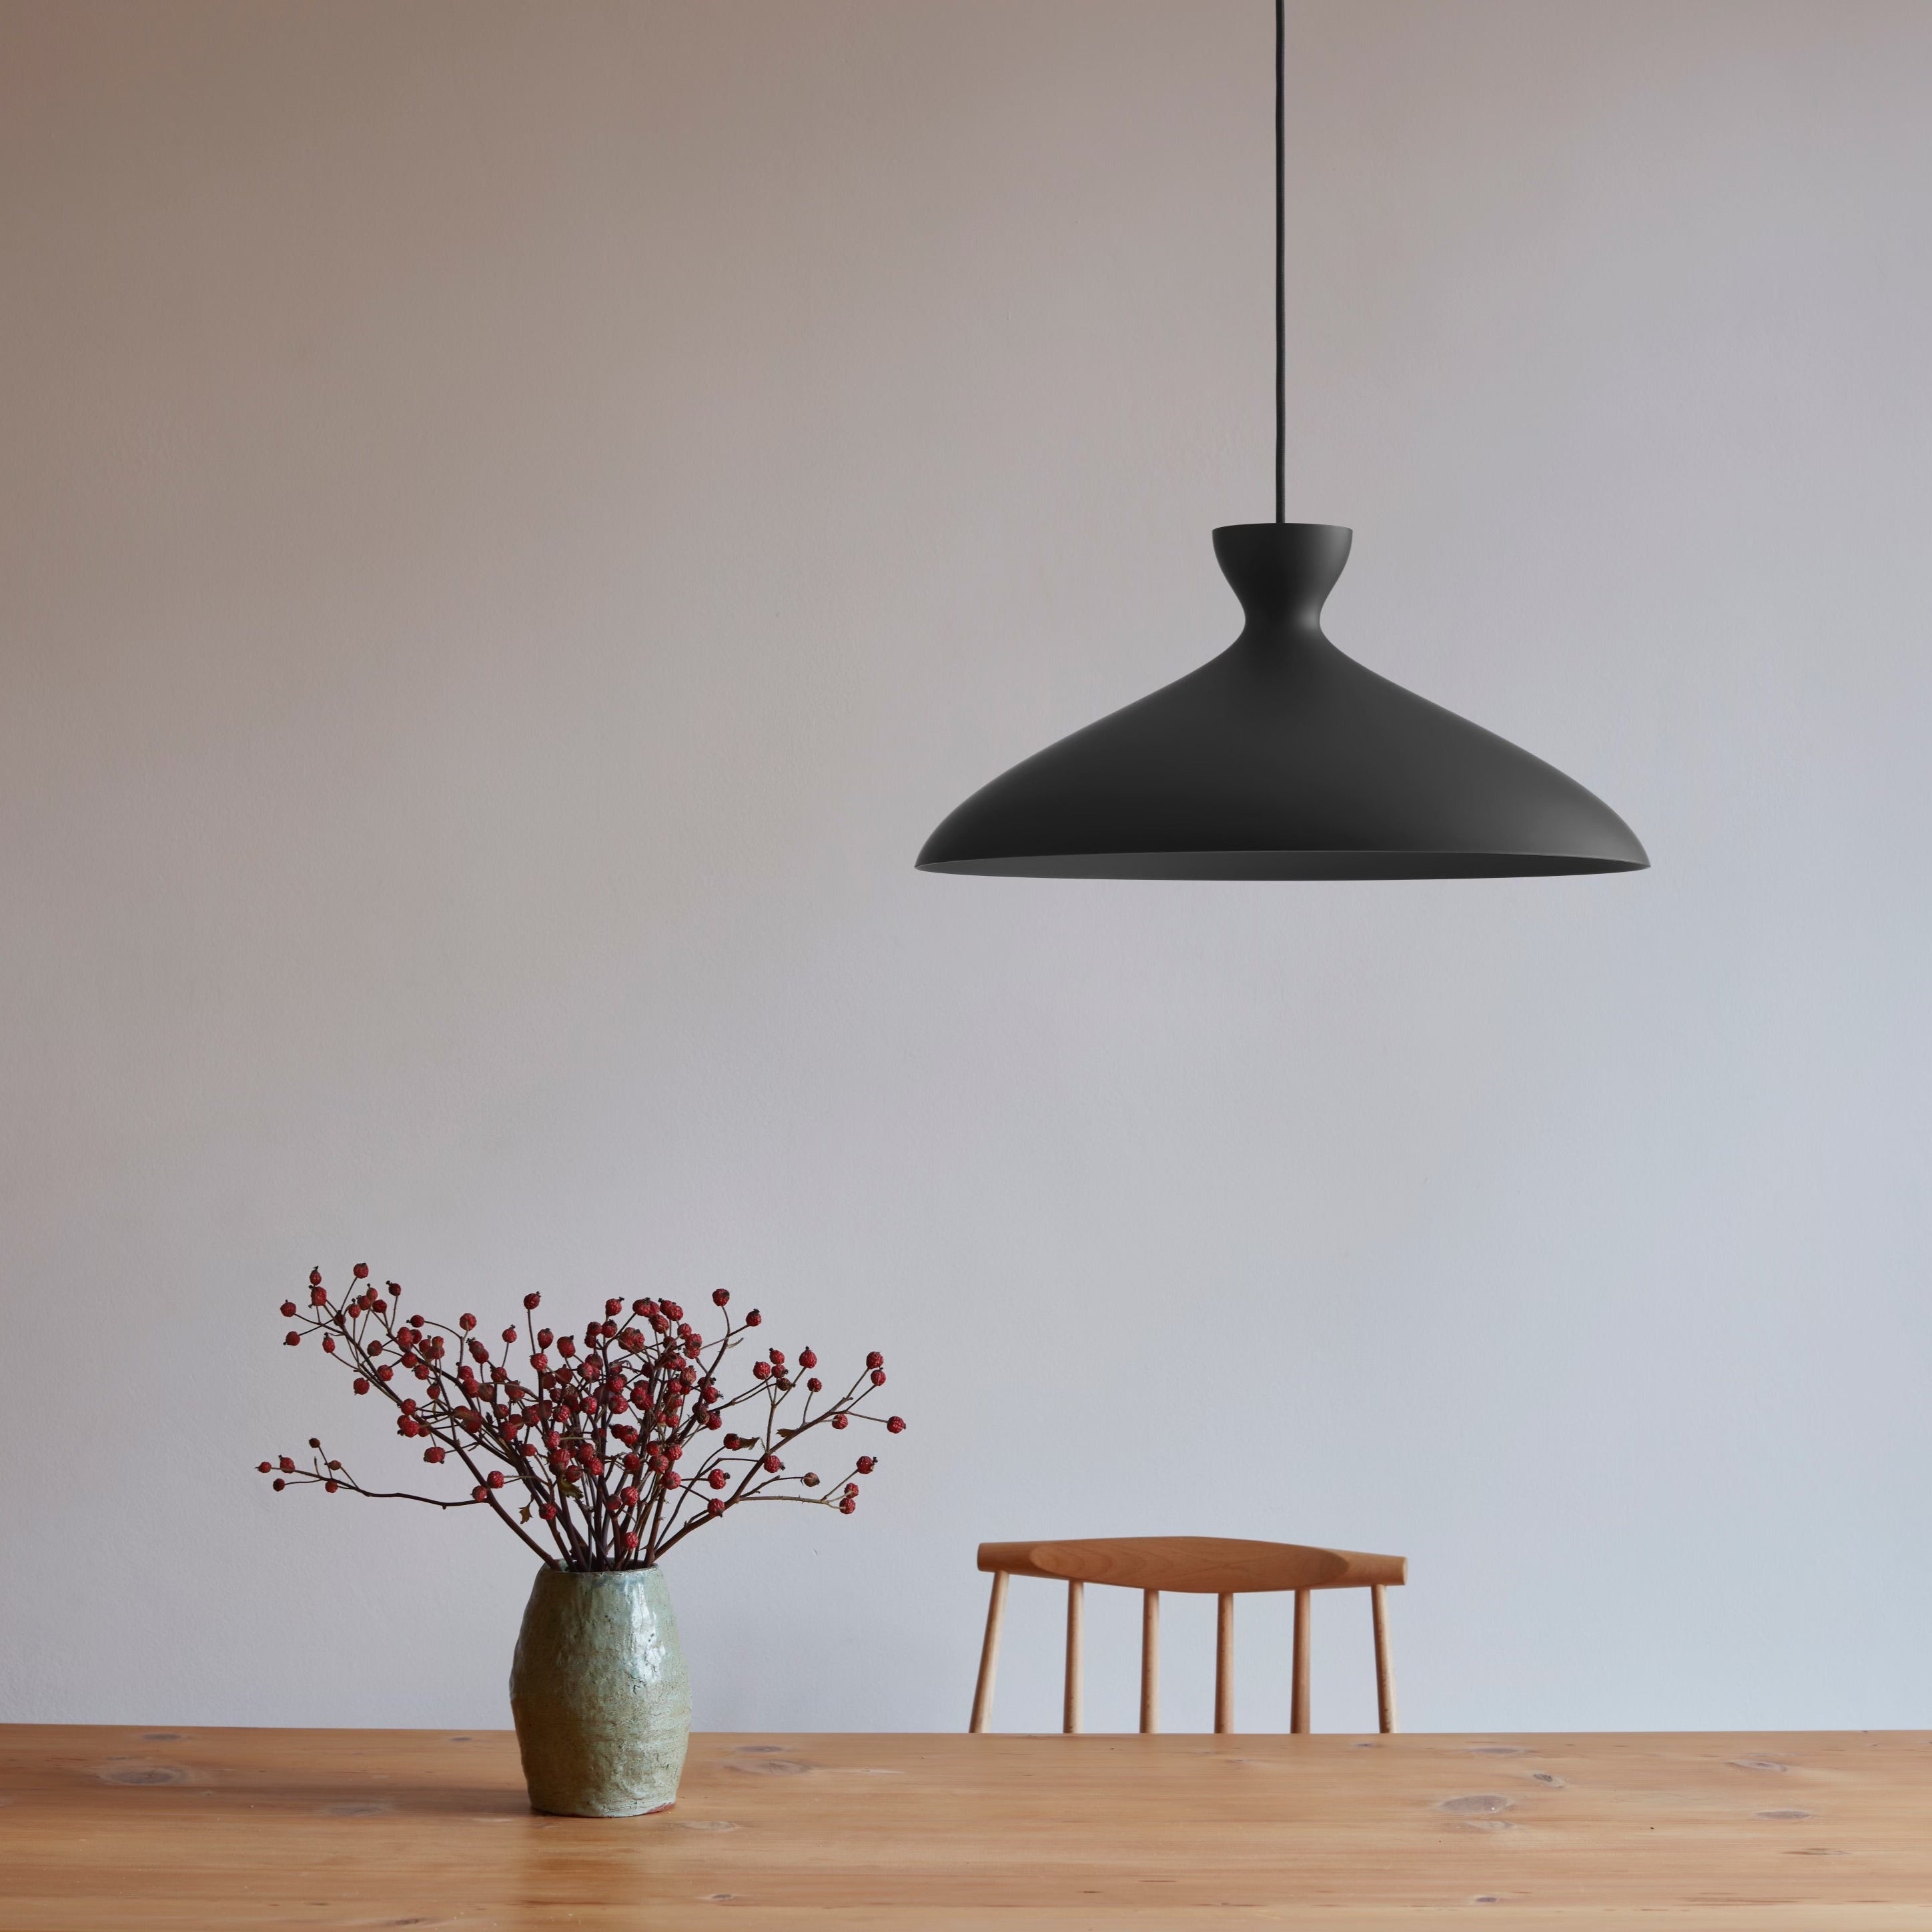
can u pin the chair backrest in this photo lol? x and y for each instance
(1223, 1566)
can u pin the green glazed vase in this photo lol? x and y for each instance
(599, 1694)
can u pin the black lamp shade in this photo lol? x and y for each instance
(1282, 758)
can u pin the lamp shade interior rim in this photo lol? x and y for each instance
(1284, 863)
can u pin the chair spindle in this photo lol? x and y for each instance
(1384, 1675)
(989, 1651)
(1076, 1636)
(1149, 1660)
(1224, 1663)
(1304, 1621)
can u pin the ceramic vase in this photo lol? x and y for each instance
(598, 1692)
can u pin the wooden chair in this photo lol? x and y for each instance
(1218, 1566)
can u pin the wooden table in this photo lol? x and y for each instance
(1794, 1832)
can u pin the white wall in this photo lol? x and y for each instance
(515, 521)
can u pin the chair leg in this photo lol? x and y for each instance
(1384, 1677)
(1150, 1660)
(989, 1652)
(1076, 1636)
(1304, 1621)
(1224, 1664)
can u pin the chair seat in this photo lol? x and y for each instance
(1202, 1565)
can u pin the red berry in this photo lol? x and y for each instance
(878, 1379)
(328, 1344)
(495, 1479)
(752, 1320)
(867, 1464)
(717, 1478)
(279, 1484)
(548, 1512)
(361, 1384)
(331, 1486)
(875, 1360)
(567, 1346)
(531, 1301)
(895, 1425)
(318, 1297)
(721, 1296)
(772, 1465)
(761, 1371)
(613, 1307)
(671, 1309)
(288, 1308)
(841, 1420)
(265, 1467)
(846, 1505)
(778, 1358)
(291, 1340)
(509, 1334)
(286, 1464)
(851, 1488)
(479, 1494)
(433, 1455)
(315, 1277)
(630, 1539)
(813, 1383)
(361, 1271)
(385, 1373)
(466, 1322)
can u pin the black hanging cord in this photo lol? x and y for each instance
(1280, 276)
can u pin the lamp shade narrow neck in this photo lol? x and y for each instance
(1282, 573)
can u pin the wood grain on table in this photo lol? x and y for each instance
(1791, 1832)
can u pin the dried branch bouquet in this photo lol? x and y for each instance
(612, 1447)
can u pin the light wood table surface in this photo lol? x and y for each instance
(1794, 1832)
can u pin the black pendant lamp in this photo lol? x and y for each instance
(1282, 758)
